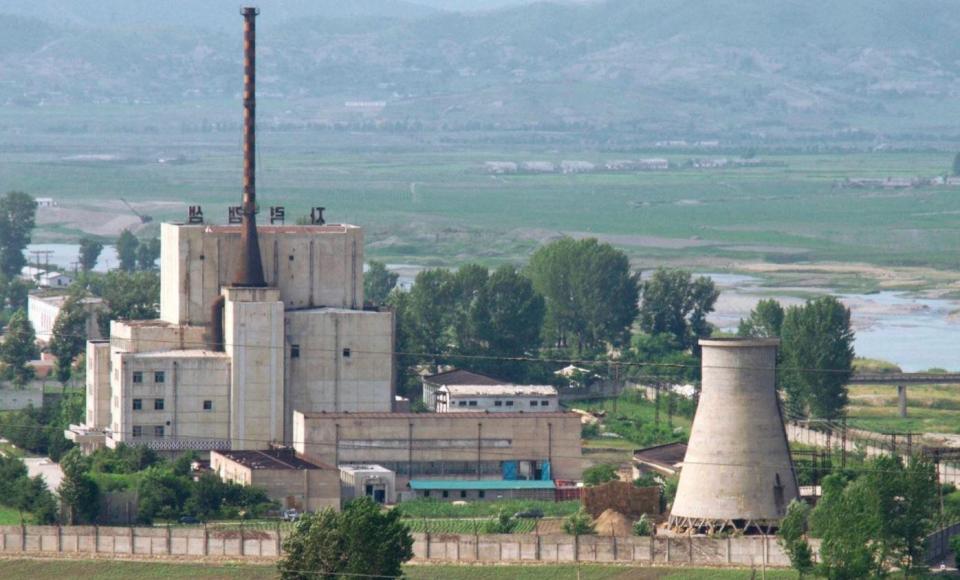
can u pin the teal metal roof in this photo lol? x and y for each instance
(486, 484)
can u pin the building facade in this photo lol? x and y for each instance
(286, 478)
(534, 446)
(497, 399)
(43, 310)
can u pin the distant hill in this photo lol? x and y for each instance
(668, 67)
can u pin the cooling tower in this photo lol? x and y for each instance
(737, 472)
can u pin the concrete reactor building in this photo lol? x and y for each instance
(737, 473)
(254, 322)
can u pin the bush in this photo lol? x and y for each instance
(589, 431)
(504, 524)
(579, 524)
(599, 474)
(955, 547)
(642, 527)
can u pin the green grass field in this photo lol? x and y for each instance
(930, 408)
(119, 570)
(435, 205)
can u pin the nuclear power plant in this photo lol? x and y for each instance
(737, 473)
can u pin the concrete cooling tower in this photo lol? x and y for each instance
(737, 473)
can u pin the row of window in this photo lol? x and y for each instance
(158, 377)
(445, 493)
(295, 351)
(158, 405)
(543, 403)
(157, 430)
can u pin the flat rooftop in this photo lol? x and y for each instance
(271, 459)
(462, 377)
(440, 416)
(485, 484)
(500, 390)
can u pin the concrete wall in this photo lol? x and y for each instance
(344, 361)
(13, 399)
(98, 384)
(195, 542)
(389, 439)
(312, 266)
(303, 489)
(253, 330)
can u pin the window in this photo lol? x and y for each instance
(481, 494)
(498, 403)
(463, 493)
(533, 403)
(509, 403)
(294, 351)
(137, 430)
(208, 405)
(544, 403)
(461, 403)
(137, 404)
(346, 353)
(158, 404)
(137, 377)
(473, 403)
(426, 493)
(159, 376)
(158, 431)
(446, 493)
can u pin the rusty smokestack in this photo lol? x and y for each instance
(249, 267)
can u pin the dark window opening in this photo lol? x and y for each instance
(446, 493)
(426, 493)
(137, 404)
(481, 494)
(463, 493)
(474, 403)
(208, 405)
(533, 403)
(137, 377)
(159, 377)
(137, 430)
(158, 404)
(158, 431)
(346, 353)
(498, 403)
(509, 403)
(461, 403)
(294, 351)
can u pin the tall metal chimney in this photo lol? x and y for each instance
(737, 473)
(249, 269)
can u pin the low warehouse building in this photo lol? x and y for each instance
(541, 446)
(497, 399)
(433, 383)
(482, 489)
(291, 480)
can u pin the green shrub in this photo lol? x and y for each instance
(642, 527)
(599, 474)
(579, 524)
(504, 524)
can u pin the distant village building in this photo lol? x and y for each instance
(538, 166)
(497, 398)
(499, 167)
(45, 202)
(43, 310)
(576, 166)
(653, 164)
(44, 278)
(373, 481)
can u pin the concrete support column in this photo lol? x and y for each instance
(902, 400)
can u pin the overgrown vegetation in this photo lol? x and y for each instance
(40, 430)
(433, 508)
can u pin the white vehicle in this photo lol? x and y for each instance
(291, 515)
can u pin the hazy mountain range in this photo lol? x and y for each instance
(669, 66)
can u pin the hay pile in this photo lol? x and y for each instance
(613, 523)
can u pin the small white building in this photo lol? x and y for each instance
(373, 481)
(43, 312)
(54, 280)
(46, 202)
(497, 399)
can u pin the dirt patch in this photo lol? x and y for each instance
(108, 217)
(613, 523)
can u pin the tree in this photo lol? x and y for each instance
(361, 540)
(89, 253)
(579, 524)
(956, 164)
(378, 282)
(147, 254)
(599, 474)
(69, 335)
(817, 357)
(79, 493)
(162, 494)
(19, 347)
(765, 321)
(17, 217)
(676, 304)
(427, 312)
(590, 293)
(505, 319)
(128, 295)
(127, 251)
(792, 536)
(642, 527)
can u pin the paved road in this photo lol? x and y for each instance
(50, 471)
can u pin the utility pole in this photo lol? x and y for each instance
(843, 447)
